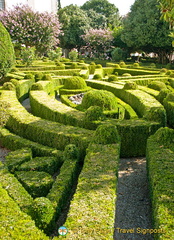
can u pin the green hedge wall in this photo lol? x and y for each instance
(169, 106)
(36, 183)
(144, 104)
(15, 190)
(46, 107)
(92, 210)
(16, 158)
(44, 132)
(160, 155)
(14, 223)
(134, 72)
(46, 86)
(14, 142)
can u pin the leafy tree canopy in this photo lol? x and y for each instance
(74, 24)
(105, 8)
(143, 29)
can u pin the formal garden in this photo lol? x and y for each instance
(67, 119)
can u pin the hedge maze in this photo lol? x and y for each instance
(59, 143)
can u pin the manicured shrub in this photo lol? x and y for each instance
(7, 57)
(162, 95)
(98, 66)
(102, 98)
(130, 85)
(38, 76)
(116, 66)
(97, 76)
(163, 70)
(136, 65)
(16, 158)
(94, 113)
(71, 152)
(46, 164)
(37, 86)
(122, 64)
(36, 183)
(43, 212)
(112, 78)
(9, 86)
(73, 55)
(29, 76)
(92, 67)
(47, 77)
(106, 134)
(75, 83)
(170, 97)
(126, 75)
(153, 65)
(157, 85)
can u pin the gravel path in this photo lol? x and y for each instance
(133, 209)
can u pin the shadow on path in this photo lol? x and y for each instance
(133, 208)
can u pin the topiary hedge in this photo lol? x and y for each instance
(104, 99)
(160, 155)
(7, 56)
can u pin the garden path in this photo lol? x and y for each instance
(133, 208)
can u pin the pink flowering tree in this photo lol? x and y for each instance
(34, 29)
(98, 42)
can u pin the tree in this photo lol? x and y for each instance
(98, 42)
(105, 8)
(7, 57)
(74, 24)
(167, 14)
(97, 20)
(34, 29)
(143, 30)
(59, 4)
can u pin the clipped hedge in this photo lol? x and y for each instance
(16, 158)
(14, 142)
(92, 210)
(46, 164)
(36, 183)
(46, 107)
(160, 155)
(46, 86)
(169, 106)
(15, 223)
(141, 102)
(15, 190)
(134, 72)
(62, 186)
(44, 132)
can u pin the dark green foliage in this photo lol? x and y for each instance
(43, 212)
(71, 152)
(170, 97)
(117, 54)
(94, 113)
(106, 134)
(7, 57)
(46, 164)
(36, 183)
(9, 86)
(104, 99)
(156, 114)
(157, 85)
(75, 83)
(16, 158)
(130, 85)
